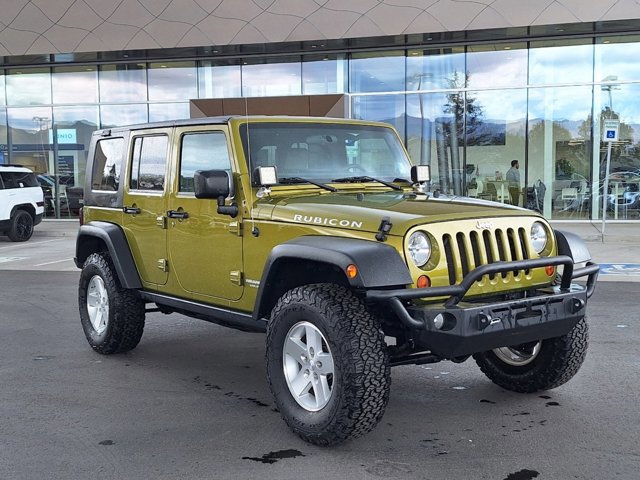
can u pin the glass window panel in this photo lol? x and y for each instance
(434, 137)
(149, 162)
(28, 86)
(435, 68)
(323, 74)
(202, 151)
(108, 163)
(125, 82)
(560, 149)
(219, 79)
(494, 138)
(612, 59)
(561, 61)
(377, 72)
(381, 108)
(4, 144)
(29, 130)
(3, 100)
(159, 112)
(172, 81)
(272, 79)
(75, 85)
(499, 65)
(118, 115)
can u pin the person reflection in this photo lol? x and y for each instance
(513, 177)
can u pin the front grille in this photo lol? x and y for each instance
(465, 251)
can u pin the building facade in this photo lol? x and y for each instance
(470, 86)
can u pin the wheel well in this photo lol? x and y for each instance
(27, 208)
(289, 273)
(89, 245)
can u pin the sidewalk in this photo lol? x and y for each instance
(621, 240)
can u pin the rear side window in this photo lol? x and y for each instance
(149, 163)
(202, 151)
(107, 162)
(19, 179)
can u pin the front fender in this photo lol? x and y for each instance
(572, 245)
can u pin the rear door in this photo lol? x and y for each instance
(145, 202)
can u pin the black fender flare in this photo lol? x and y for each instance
(116, 242)
(572, 245)
(379, 264)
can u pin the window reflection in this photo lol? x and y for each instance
(172, 81)
(272, 79)
(381, 108)
(118, 115)
(125, 82)
(560, 149)
(323, 74)
(377, 72)
(612, 58)
(560, 61)
(499, 65)
(75, 85)
(168, 111)
(3, 100)
(219, 79)
(435, 68)
(28, 86)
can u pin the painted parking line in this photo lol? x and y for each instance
(620, 269)
(55, 261)
(11, 259)
(26, 244)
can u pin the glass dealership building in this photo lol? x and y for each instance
(465, 102)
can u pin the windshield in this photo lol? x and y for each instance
(324, 151)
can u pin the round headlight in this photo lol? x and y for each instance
(538, 237)
(419, 248)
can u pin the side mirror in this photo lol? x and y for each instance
(420, 173)
(216, 184)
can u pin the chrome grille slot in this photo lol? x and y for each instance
(465, 251)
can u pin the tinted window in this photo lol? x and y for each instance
(107, 162)
(202, 151)
(19, 179)
(148, 165)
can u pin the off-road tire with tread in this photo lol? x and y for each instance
(126, 317)
(558, 360)
(362, 374)
(21, 228)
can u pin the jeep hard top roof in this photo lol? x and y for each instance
(223, 120)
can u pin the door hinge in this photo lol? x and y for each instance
(161, 221)
(234, 227)
(236, 277)
(163, 264)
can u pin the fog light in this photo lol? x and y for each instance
(444, 321)
(438, 321)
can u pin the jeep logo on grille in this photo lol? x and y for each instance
(481, 225)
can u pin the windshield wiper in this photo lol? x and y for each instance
(365, 178)
(290, 180)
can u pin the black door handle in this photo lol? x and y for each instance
(177, 214)
(131, 210)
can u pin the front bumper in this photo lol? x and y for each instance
(457, 328)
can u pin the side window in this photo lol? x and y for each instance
(148, 165)
(202, 151)
(19, 180)
(107, 162)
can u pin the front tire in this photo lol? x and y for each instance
(537, 366)
(112, 317)
(21, 228)
(327, 364)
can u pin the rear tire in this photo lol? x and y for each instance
(21, 228)
(112, 317)
(327, 364)
(538, 366)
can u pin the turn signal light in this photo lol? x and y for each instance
(352, 271)
(423, 281)
(550, 270)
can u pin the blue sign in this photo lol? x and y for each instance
(611, 134)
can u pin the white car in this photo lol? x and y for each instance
(21, 202)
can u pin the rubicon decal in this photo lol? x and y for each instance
(332, 222)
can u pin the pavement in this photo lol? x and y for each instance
(617, 251)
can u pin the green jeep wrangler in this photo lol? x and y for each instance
(322, 234)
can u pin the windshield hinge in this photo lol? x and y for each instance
(384, 229)
(234, 227)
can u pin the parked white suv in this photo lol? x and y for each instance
(21, 202)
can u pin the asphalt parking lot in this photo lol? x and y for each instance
(191, 401)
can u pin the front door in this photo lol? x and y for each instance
(205, 248)
(145, 200)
